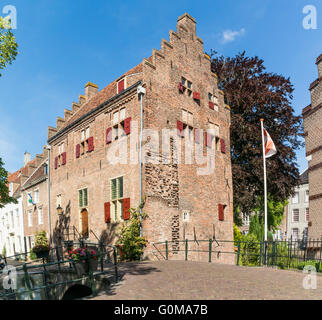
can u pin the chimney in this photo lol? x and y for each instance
(90, 90)
(27, 158)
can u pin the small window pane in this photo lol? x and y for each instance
(115, 118)
(122, 114)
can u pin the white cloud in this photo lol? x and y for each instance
(229, 35)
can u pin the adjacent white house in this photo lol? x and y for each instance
(11, 224)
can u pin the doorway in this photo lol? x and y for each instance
(84, 218)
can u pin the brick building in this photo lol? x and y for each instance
(35, 200)
(95, 168)
(312, 115)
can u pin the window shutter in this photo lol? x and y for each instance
(107, 212)
(126, 208)
(108, 135)
(223, 145)
(211, 105)
(56, 163)
(127, 126)
(120, 86)
(90, 144)
(85, 199)
(77, 151)
(196, 95)
(64, 158)
(113, 189)
(180, 128)
(197, 135)
(180, 86)
(80, 198)
(221, 212)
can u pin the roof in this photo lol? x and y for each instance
(304, 177)
(36, 177)
(102, 96)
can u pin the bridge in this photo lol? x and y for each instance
(60, 279)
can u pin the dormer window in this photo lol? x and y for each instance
(121, 86)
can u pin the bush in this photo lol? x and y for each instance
(129, 241)
(32, 256)
(249, 251)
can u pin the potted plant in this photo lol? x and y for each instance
(85, 259)
(41, 247)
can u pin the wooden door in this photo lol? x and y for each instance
(85, 224)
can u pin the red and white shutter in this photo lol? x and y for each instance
(90, 144)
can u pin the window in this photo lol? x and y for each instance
(12, 219)
(296, 215)
(40, 216)
(187, 86)
(295, 234)
(115, 117)
(17, 218)
(117, 198)
(295, 198)
(185, 216)
(306, 196)
(36, 196)
(83, 198)
(121, 86)
(307, 214)
(85, 135)
(29, 218)
(122, 114)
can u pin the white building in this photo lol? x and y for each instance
(11, 221)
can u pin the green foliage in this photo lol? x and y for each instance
(237, 235)
(4, 191)
(275, 211)
(129, 241)
(237, 219)
(32, 255)
(253, 93)
(4, 251)
(249, 251)
(8, 45)
(41, 242)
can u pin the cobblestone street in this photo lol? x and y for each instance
(176, 280)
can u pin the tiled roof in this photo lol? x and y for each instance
(102, 96)
(304, 177)
(36, 176)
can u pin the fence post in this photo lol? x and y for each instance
(260, 253)
(210, 249)
(186, 250)
(102, 256)
(91, 278)
(115, 265)
(27, 281)
(166, 250)
(238, 253)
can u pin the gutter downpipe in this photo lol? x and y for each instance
(49, 218)
(141, 92)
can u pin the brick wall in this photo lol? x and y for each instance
(313, 129)
(172, 189)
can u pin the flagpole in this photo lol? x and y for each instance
(265, 184)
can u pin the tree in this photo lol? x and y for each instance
(8, 44)
(4, 191)
(252, 94)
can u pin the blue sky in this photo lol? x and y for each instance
(64, 44)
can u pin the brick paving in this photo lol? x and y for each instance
(181, 280)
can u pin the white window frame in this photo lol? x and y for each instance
(36, 199)
(296, 198)
(306, 196)
(293, 211)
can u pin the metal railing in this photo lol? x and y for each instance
(106, 255)
(288, 254)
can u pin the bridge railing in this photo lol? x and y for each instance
(287, 254)
(107, 264)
